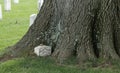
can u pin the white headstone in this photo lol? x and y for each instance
(0, 12)
(7, 5)
(16, 1)
(32, 18)
(42, 50)
(40, 3)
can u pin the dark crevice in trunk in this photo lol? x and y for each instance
(95, 32)
(115, 42)
(94, 38)
(75, 48)
(116, 33)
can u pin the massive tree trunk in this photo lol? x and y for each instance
(86, 29)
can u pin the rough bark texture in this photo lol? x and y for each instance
(86, 29)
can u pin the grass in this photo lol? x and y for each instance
(46, 65)
(14, 25)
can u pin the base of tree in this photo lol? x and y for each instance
(85, 29)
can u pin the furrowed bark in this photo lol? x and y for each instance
(106, 18)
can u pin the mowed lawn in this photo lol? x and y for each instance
(14, 25)
(47, 65)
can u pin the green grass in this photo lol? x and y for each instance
(15, 23)
(13, 26)
(46, 65)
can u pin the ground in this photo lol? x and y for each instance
(13, 26)
(47, 65)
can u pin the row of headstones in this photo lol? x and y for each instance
(33, 16)
(7, 6)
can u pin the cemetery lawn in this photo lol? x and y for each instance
(13, 26)
(47, 65)
(15, 23)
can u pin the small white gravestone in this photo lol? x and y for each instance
(40, 3)
(42, 50)
(7, 5)
(0, 12)
(32, 18)
(16, 1)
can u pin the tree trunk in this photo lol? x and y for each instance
(86, 29)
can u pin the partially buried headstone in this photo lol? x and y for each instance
(7, 4)
(40, 3)
(16, 1)
(32, 18)
(0, 12)
(42, 50)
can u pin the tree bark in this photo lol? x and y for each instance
(106, 18)
(86, 29)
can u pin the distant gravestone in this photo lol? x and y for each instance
(40, 3)
(7, 5)
(0, 12)
(32, 18)
(16, 1)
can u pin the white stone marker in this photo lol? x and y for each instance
(42, 50)
(16, 1)
(32, 18)
(40, 3)
(0, 12)
(7, 5)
